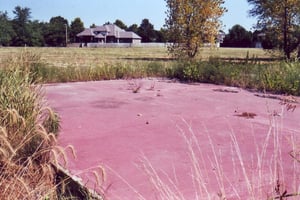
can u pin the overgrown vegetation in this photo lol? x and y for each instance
(280, 77)
(28, 149)
(28, 127)
(249, 72)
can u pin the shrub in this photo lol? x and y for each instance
(283, 78)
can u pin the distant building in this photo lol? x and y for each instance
(220, 38)
(108, 34)
(260, 37)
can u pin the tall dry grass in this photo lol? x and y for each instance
(27, 135)
(263, 174)
(27, 138)
(30, 158)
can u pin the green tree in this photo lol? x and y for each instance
(191, 23)
(161, 35)
(36, 32)
(120, 24)
(6, 30)
(279, 18)
(134, 28)
(93, 26)
(21, 26)
(146, 31)
(56, 31)
(238, 36)
(76, 27)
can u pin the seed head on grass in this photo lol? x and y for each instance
(27, 129)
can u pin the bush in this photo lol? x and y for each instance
(283, 78)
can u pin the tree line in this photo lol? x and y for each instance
(189, 25)
(239, 37)
(22, 31)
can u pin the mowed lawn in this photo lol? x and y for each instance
(87, 57)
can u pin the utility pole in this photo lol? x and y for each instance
(66, 34)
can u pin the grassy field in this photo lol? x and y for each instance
(87, 57)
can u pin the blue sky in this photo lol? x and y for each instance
(129, 11)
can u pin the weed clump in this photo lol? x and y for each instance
(28, 130)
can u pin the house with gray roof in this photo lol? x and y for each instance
(109, 33)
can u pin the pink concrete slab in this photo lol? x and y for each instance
(111, 124)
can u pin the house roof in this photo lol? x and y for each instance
(86, 32)
(113, 30)
(110, 30)
(129, 34)
(100, 29)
